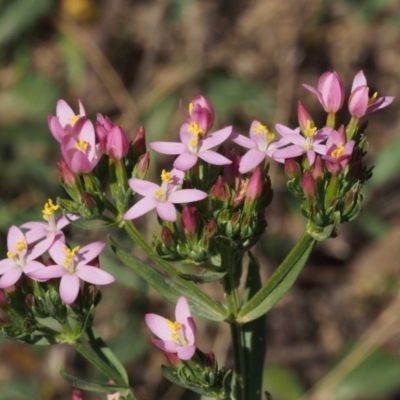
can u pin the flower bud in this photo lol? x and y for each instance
(103, 127)
(253, 190)
(67, 175)
(189, 222)
(305, 120)
(167, 236)
(308, 184)
(292, 169)
(318, 170)
(141, 167)
(173, 359)
(117, 144)
(138, 144)
(201, 111)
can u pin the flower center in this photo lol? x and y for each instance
(21, 245)
(159, 193)
(69, 257)
(308, 144)
(166, 176)
(49, 209)
(310, 131)
(260, 128)
(82, 145)
(338, 152)
(195, 129)
(174, 326)
(73, 119)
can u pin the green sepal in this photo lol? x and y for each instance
(280, 281)
(91, 386)
(169, 289)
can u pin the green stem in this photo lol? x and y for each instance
(170, 269)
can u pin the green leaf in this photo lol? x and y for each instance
(280, 281)
(169, 289)
(204, 277)
(91, 224)
(90, 386)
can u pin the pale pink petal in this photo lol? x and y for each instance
(214, 158)
(50, 272)
(320, 148)
(216, 138)
(186, 353)
(35, 225)
(311, 157)
(243, 141)
(69, 288)
(64, 112)
(168, 346)
(55, 127)
(185, 161)
(168, 147)
(89, 252)
(36, 234)
(81, 109)
(57, 252)
(359, 80)
(377, 105)
(358, 101)
(166, 211)
(94, 275)
(32, 266)
(10, 277)
(182, 310)
(187, 196)
(14, 236)
(6, 264)
(39, 248)
(289, 152)
(144, 188)
(142, 207)
(184, 134)
(313, 90)
(63, 221)
(250, 160)
(159, 326)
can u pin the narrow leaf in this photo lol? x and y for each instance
(169, 289)
(280, 281)
(204, 276)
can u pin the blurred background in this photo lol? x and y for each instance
(133, 61)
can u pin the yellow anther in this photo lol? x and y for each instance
(174, 326)
(21, 245)
(243, 189)
(82, 145)
(195, 129)
(159, 193)
(193, 142)
(270, 136)
(12, 255)
(339, 151)
(166, 176)
(49, 209)
(260, 128)
(191, 106)
(310, 131)
(73, 119)
(69, 255)
(373, 98)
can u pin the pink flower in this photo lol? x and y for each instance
(163, 197)
(103, 127)
(65, 120)
(117, 143)
(201, 113)
(51, 230)
(360, 103)
(330, 91)
(20, 259)
(194, 146)
(310, 144)
(72, 265)
(175, 337)
(338, 153)
(261, 144)
(79, 149)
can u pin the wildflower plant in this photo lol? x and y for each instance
(211, 208)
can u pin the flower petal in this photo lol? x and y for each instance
(215, 138)
(243, 141)
(159, 326)
(6, 265)
(89, 252)
(182, 310)
(185, 161)
(186, 352)
(145, 188)
(69, 288)
(214, 158)
(44, 274)
(10, 277)
(187, 196)
(168, 147)
(166, 211)
(289, 152)
(168, 346)
(250, 160)
(142, 207)
(94, 275)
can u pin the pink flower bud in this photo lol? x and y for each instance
(166, 236)
(304, 117)
(66, 174)
(318, 170)
(202, 112)
(308, 184)
(254, 186)
(141, 167)
(138, 144)
(292, 169)
(358, 101)
(76, 395)
(117, 143)
(173, 359)
(189, 222)
(103, 127)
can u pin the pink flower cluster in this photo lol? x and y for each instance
(26, 250)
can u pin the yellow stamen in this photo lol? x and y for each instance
(21, 245)
(12, 255)
(260, 128)
(372, 98)
(310, 131)
(339, 151)
(166, 176)
(195, 129)
(193, 142)
(191, 106)
(49, 209)
(159, 193)
(82, 145)
(175, 326)
(69, 255)
(243, 190)
(73, 119)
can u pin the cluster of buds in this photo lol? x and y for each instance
(324, 166)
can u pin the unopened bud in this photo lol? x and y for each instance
(189, 222)
(318, 170)
(292, 169)
(173, 359)
(138, 144)
(67, 175)
(117, 144)
(308, 184)
(304, 117)
(166, 236)
(142, 166)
